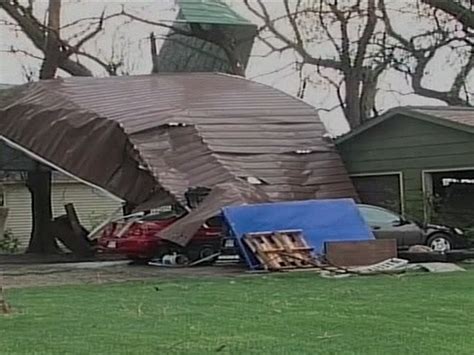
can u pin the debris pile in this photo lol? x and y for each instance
(318, 222)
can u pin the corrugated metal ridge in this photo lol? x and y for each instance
(136, 152)
(295, 98)
(34, 94)
(235, 128)
(211, 11)
(171, 161)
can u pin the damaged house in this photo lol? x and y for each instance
(149, 139)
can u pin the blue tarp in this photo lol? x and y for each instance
(320, 220)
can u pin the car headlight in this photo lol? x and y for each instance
(459, 231)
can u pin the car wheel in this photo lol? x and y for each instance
(203, 251)
(440, 242)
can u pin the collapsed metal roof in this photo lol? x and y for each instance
(148, 139)
(180, 53)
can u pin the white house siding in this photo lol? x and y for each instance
(91, 205)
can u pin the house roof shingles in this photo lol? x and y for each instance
(461, 115)
(461, 118)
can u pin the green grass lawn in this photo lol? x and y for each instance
(277, 314)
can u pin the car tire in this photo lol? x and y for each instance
(203, 251)
(440, 242)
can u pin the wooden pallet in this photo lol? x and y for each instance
(280, 250)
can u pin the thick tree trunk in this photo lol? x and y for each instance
(42, 241)
(154, 54)
(39, 181)
(52, 52)
(352, 109)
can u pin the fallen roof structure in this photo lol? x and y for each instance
(148, 139)
(181, 53)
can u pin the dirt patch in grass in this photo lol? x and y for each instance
(30, 275)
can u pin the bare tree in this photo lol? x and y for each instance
(49, 41)
(415, 53)
(352, 43)
(461, 10)
(352, 62)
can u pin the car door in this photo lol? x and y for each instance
(389, 225)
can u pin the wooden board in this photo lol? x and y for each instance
(280, 250)
(358, 253)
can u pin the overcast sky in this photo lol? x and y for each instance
(130, 39)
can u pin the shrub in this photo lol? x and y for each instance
(9, 243)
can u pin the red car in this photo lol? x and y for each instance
(138, 239)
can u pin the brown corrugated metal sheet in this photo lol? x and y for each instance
(145, 138)
(358, 253)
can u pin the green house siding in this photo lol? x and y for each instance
(408, 145)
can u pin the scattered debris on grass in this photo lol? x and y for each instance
(179, 260)
(440, 267)
(420, 249)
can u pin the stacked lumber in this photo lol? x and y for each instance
(280, 250)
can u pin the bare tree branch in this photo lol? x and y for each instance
(460, 80)
(368, 33)
(35, 31)
(89, 36)
(307, 58)
(454, 8)
(423, 54)
(344, 54)
(13, 50)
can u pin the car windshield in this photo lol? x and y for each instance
(376, 215)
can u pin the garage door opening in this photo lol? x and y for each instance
(450, 197)
(384, 190)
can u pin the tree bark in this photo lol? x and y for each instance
(42, 241)
(39, 181)
(52, 52)
(352, 102)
